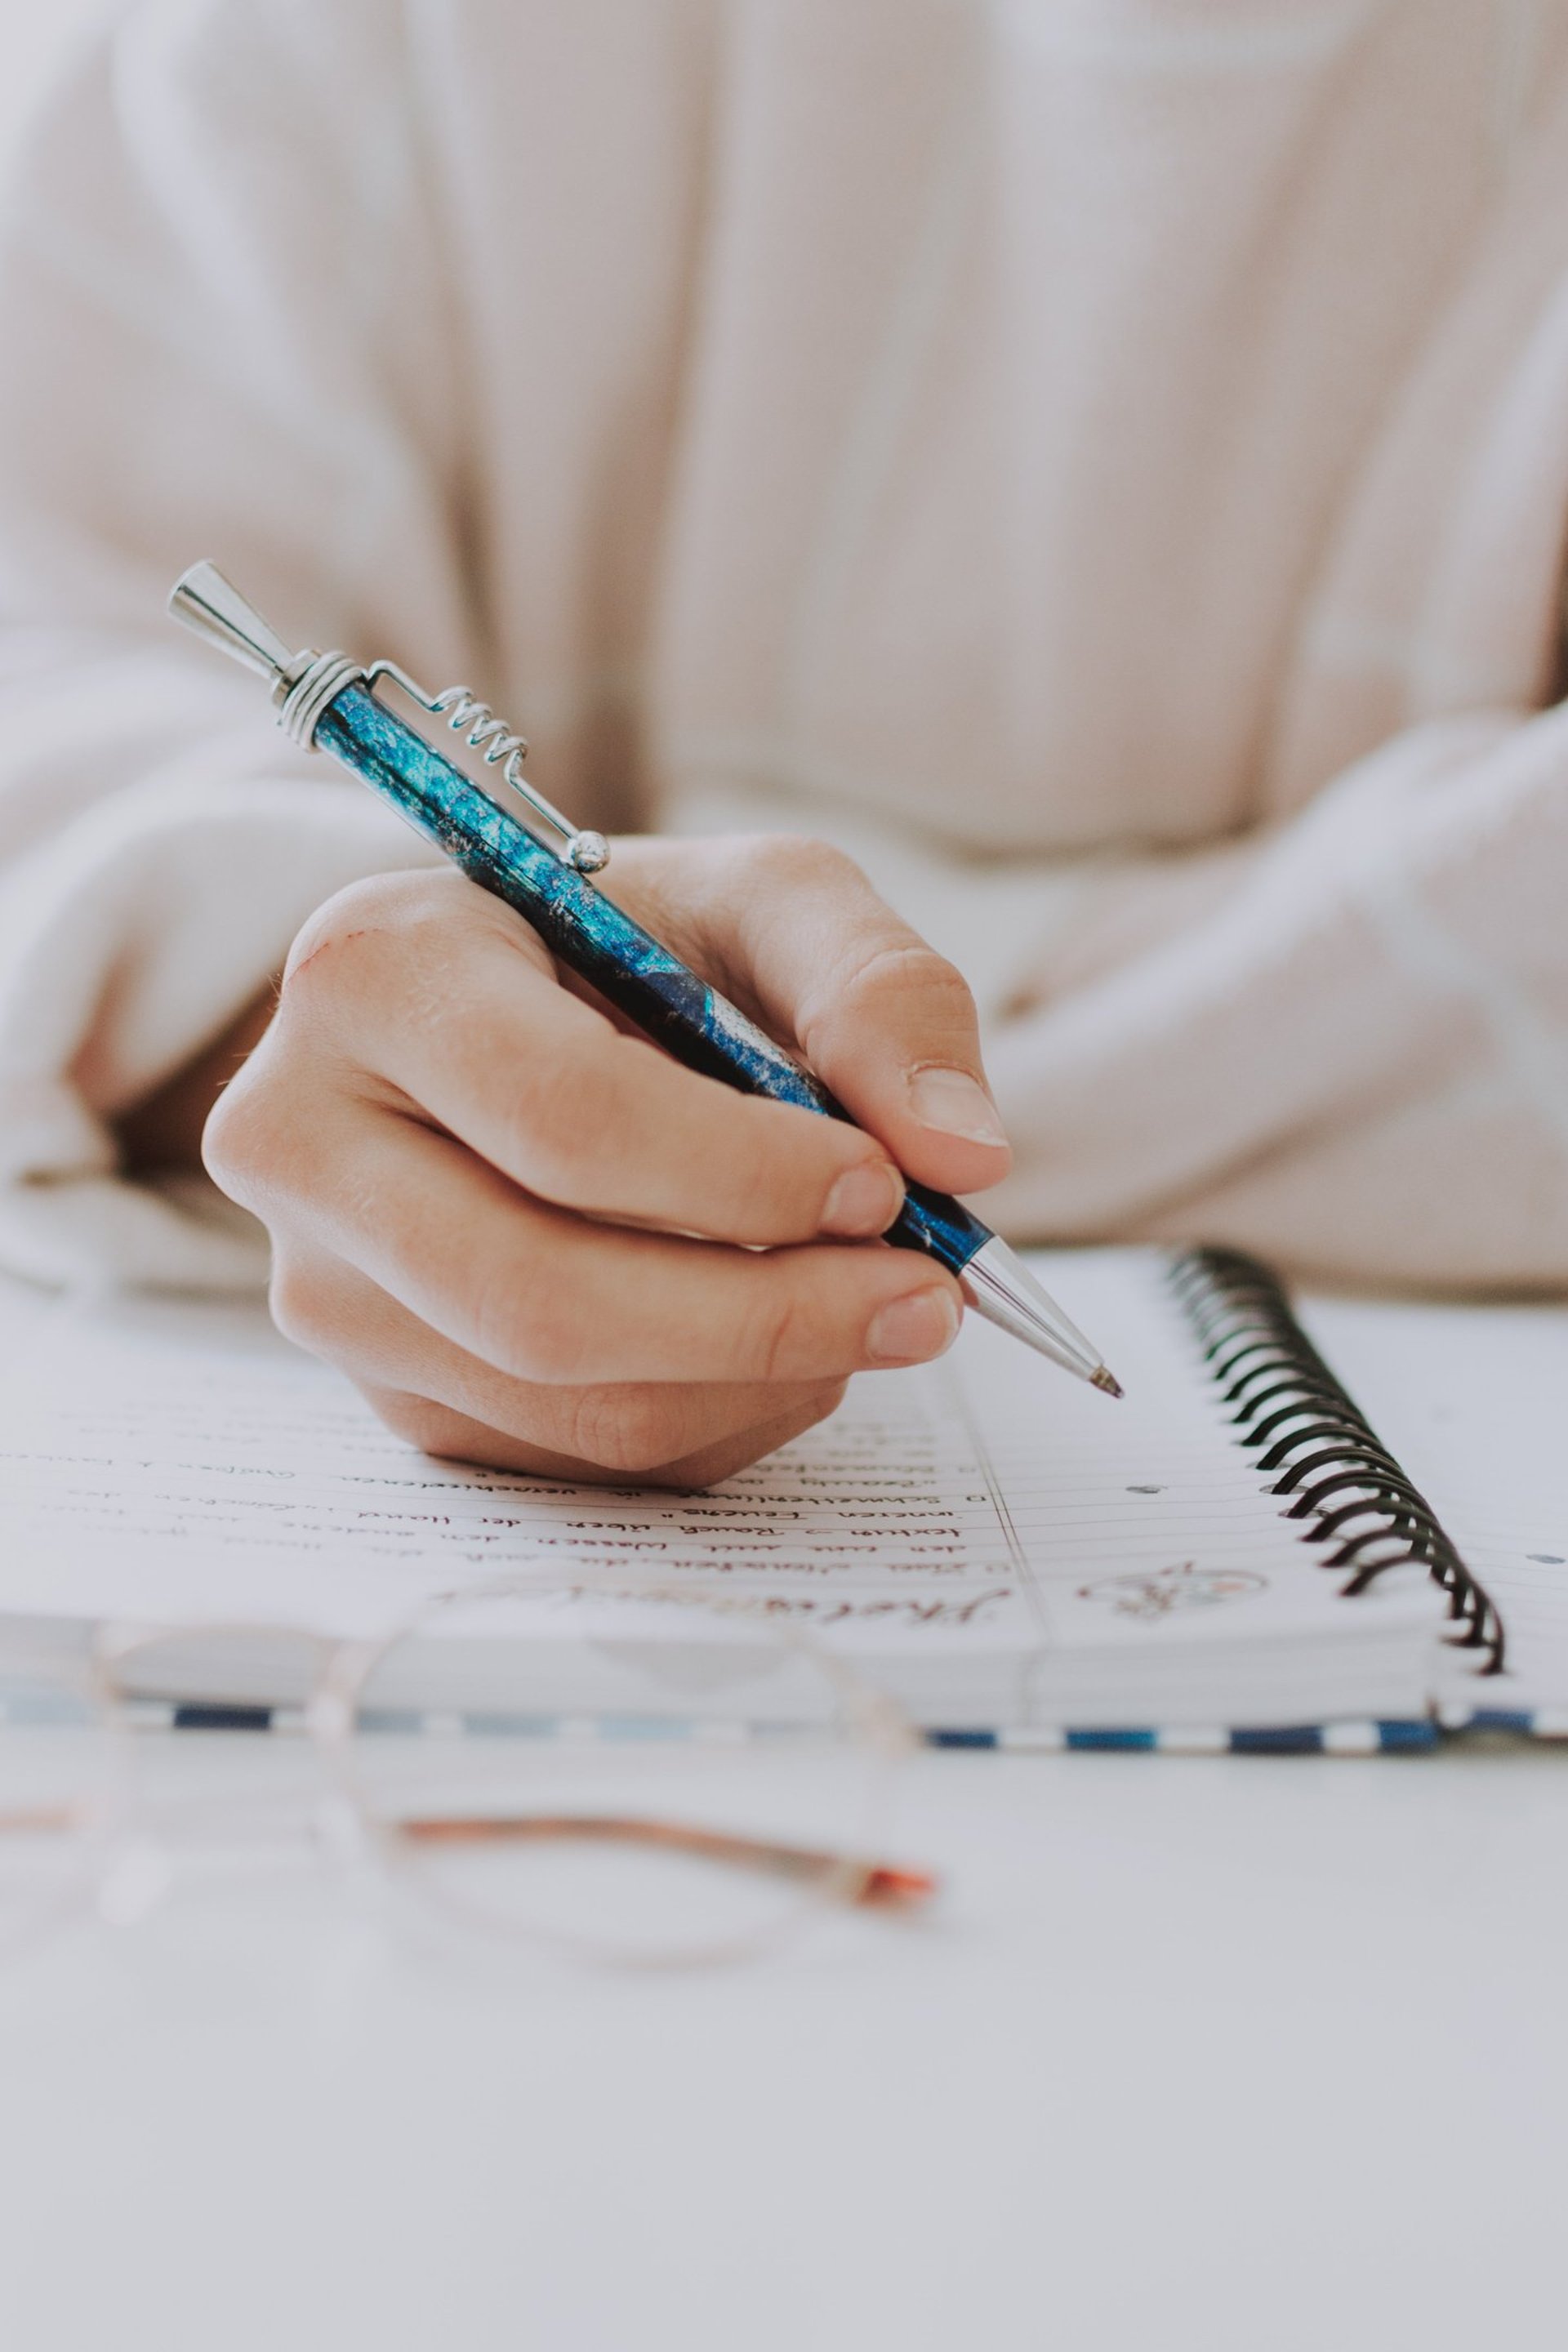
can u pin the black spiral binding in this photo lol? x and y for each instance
(1290, 1410)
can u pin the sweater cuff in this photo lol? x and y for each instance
(127, 945)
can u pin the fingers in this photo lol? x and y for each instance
(445, 1000)
(436, 1430)
(448, 1401)
(802, 939)
(516, 1228)
(548, 1297)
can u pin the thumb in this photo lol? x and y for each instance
(792, 930)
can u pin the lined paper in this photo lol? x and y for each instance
(1004, 1536)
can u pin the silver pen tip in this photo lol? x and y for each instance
(1000, 1286)
(1107, 1381)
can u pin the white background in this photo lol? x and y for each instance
(33, 35)
(1200, 2056)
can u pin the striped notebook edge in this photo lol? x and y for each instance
(1423, 1735)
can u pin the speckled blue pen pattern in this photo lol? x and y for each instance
(591, 933)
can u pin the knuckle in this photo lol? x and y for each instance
(697, 1472)
(771, 1202)
(874, 979)
(706, 1464)
(583, 1129)
(267, 1138)
(420, 914)
(295, 1296)
(783, 1340)
(798, 860)
(564, 1117)
(769, 1183)
(339, 922)
(244, 1141)
(897, 967)
(627, 1431)
(419, 1421)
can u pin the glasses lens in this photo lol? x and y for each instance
(634, 1774)
(196, 1709)
(55, 1782)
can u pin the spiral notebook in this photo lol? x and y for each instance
(1243, 1553)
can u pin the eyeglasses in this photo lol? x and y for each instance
(626, 1771)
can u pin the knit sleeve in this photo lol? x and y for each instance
(219, 314)
(1357, 1061)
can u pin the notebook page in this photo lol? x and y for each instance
(1151, 1492)
(1471, 1401)
(1146, 1513)
(182, 1462)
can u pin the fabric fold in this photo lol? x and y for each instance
(126, 946)
(1103, 462)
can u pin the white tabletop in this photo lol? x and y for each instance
(1206, 2052)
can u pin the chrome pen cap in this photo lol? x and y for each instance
(213, 608)
(302, 684)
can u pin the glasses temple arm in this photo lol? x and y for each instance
(870, 1883)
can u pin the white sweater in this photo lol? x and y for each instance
(1105, 459)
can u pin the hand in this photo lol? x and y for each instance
(535, 1240)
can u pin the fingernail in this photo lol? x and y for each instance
(864, 1201)
(912, 1330)
(956, 1104)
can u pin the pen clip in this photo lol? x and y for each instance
(496, 746)
(304, 683)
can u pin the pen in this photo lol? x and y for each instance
(327, 702)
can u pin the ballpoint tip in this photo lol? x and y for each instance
(1105, 1380)
(1000, 1286)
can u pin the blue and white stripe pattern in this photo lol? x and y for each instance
(1418, 1735)
(1368, 1739)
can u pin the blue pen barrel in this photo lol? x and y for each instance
(601, 943)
